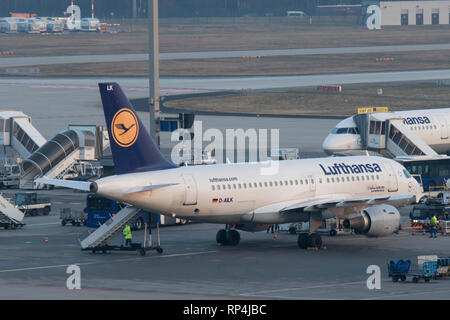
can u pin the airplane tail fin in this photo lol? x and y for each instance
(133, 149)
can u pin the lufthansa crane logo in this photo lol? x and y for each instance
(125, 127)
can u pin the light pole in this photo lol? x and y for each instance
(154, 69)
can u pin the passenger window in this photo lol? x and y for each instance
(224, 187)
(245, 185)
(260, 184)
(255, 185)
(240, 186)
(306, 181)
(320, 180)
(328, 180)
(234, 186)
(292, 183)
(265, 184)
(229, 186)
(353, 178)
(218, 187)
(337, 179)
(332, 180)
(312, 181)
(270, 183)
(296, 182)
(357, 178)
(362, 178)
(348, 179)
(213, 188)
(276, 184)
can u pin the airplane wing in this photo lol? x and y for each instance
(322, 204)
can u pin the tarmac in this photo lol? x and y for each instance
(193, 266)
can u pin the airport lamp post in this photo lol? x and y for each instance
(154, 70)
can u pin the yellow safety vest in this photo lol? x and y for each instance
(127, 232)
(433, 220)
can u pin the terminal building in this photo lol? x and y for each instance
(396, 13)
(404, 13)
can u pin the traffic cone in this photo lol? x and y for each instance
(46, 240)
(275, 236)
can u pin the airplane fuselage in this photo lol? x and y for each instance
(243, 193)
(432, 126)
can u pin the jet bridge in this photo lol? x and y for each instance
(386, 134)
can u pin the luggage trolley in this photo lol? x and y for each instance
(401, 269)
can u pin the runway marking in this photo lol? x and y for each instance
(256, 293)
(42, 224)
(104, 262)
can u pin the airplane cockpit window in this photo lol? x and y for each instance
(345, 131)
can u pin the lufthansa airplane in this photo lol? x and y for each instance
(432, 126)
(363, 190)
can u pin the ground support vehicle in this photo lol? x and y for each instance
(76, 218)
(401, 269)
(30, 204)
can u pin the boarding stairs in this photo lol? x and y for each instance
(25, 138)
(401, 141)
(9, 214)
(109, 229)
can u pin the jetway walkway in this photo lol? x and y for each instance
(109, 229)
(10, 216)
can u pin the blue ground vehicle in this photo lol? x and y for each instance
(99, 210)
(400, 269)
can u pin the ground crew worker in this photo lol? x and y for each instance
(127, 235)
(433, 232)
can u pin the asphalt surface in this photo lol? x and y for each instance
(35, 61)
(244, 83)
(193, 266)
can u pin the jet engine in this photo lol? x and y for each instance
(377, 221)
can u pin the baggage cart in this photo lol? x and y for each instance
(76, 218)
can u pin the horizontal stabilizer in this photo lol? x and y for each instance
(148, 188)
(72, 184)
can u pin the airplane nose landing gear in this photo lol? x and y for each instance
(228, 236)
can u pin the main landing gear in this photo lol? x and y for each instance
(309, 240)
(228, 236)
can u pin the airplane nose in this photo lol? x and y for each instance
(327, 145)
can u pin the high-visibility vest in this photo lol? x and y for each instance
(433, 220)
(127, 232)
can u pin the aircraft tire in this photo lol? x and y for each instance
(302, 241)
(314, 240)
(221, 236)
(233, 238)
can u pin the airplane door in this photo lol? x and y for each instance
(444, 127)
(393, 180)
(312, 184)
(190, 196)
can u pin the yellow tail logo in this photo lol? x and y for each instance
(125, 127)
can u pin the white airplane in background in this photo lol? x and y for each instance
(432, 126)
(363, 190)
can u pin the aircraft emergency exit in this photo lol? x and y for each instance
(363, 190)
(401, 133)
